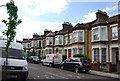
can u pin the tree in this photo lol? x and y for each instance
(11, 23)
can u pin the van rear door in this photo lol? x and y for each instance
(57, 59)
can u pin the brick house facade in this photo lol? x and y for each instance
(98, 39)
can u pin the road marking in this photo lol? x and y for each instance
(56, 75)
(52, 77)
(77, 76)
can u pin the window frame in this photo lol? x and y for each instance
(113, 26)
(100, 34)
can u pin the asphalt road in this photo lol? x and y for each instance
(37, 71)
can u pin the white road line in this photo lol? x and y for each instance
(52, 77)
(77, 76)
(56, 75)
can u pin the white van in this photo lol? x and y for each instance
(52, 59)
(17, 64)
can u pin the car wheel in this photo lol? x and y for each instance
(87, 71)
(61, 67)
(76, 70)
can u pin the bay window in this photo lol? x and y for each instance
(103, 33)
(95, 34)
(99, 33)
(74, 51)
(96, 54)
(66, 39)
(71, 39)
(103, 51)
(80, 50)
(49, 41)
(75, 36)
(59, 40)
(80, 36)
(56, 40)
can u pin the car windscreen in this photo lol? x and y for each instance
(13, 53)
(75, 60)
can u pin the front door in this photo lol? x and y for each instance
(117, 55)
(69, 53)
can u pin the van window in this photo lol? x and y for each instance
(14, 53)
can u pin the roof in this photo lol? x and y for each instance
(51, 34)
(113, 18)
(78, 26)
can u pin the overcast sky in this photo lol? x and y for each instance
(38, 15)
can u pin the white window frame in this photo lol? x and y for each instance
(100, 52)
(58, 41)
(75, 36)
(48, 41)
(78, 35)
(100, 33)
(114, 25)
(66, 39)
(77, 47)
(70, 38)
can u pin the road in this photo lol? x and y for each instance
(37, 71)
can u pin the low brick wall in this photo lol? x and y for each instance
(103, 67)
(118, 68)
(111, 67)
(95, 66)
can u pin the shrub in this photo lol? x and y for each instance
(78, 55)
(64, 56)
(82, 55)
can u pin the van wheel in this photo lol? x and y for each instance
(50, 65)
(76, 70)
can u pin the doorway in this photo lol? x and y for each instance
(115, 55)
(69, 53)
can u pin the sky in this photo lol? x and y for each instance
(38, 15)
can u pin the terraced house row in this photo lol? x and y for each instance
(98, 39)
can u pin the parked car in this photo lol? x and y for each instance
(76, 64)
(52, 60)
(33, 59)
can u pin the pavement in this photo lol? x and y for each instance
(111, 75)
